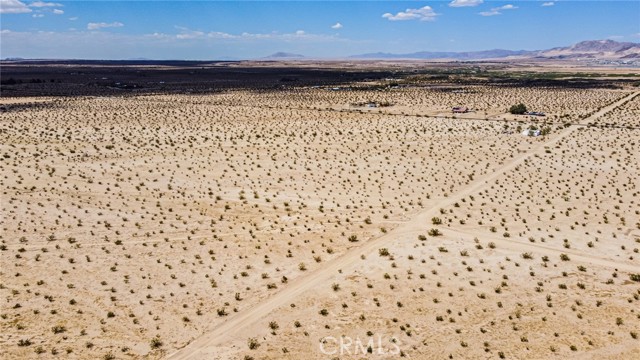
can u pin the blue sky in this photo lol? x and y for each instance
(251, 29)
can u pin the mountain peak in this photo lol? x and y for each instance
(607, 45)
(284, 55)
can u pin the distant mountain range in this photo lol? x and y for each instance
(430, 55)
(595, 49)
(592, 49)
(283, 55)
(585, 50)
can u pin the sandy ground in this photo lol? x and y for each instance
(192, 226)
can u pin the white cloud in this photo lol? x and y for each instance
(425, 13)
(102, 25)
(74, 18)
(186, 34)
(490, 13)
(219, 35)
(193, 35)
(13, 7)
(298, 35)
(337, 26)
(465, 3)
(496, 10)
(37, 16)
(548, 3)
(18, 7)
(40, 4)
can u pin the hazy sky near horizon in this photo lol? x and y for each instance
(207, 30)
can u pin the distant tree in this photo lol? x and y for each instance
(518, 109)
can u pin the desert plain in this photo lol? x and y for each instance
(346, 216)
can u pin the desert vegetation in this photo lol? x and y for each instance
(132, 225)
